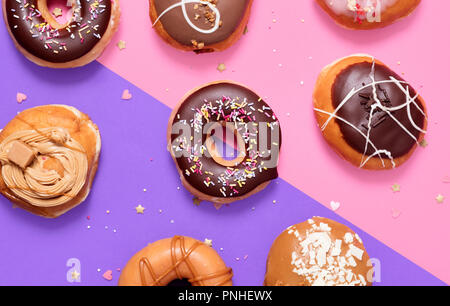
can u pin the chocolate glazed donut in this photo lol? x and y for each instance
(200, 26)
(368, 113)
(47, 43)
(215, 108)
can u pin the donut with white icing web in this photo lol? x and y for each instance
(368, 114)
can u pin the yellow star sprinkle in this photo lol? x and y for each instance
(75, 275)
(57, 12)
(140, 209)
(423, 143)
(440, 199)
(221, 67)
(208, 242)
(196, 201)
(122, 45)
(396, 188)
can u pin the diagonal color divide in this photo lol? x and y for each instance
(280, 58)
(35, 251)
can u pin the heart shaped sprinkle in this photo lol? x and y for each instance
(395, 213)
(335, 205)
(126, 95)
(21, 97)
(108, 275)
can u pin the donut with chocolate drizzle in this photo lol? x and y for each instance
(43, 40)
(177, 258)
(200, 25)
(369, 114)
(206, 113)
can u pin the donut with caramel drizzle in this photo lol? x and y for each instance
(180, 258)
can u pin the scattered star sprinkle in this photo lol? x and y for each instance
(75, 275)
(122, 45)
(57, 12)
(20, 97)
(221, 67)
(208, 242)
(196, 201)
(423, 143)
(140, 209)
(396, 188)
(440, 199)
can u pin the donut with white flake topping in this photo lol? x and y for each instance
(318, 252)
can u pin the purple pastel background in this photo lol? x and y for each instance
(34, 251)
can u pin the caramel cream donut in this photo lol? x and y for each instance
(200, 26)
(368, 114)
(248, 122)
(318, 252)
(367, 14)
(176, 258)
(44, 41)
(48, 159)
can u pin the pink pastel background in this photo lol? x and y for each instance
(287, 45)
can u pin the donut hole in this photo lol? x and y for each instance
(180, 283)
(58, 13)
(225, 144)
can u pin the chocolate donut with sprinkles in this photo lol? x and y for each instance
(43, 40)
(213, 121)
